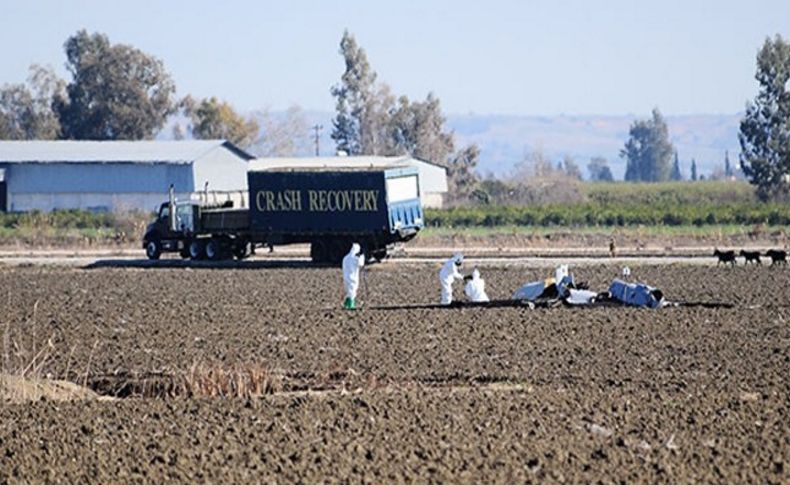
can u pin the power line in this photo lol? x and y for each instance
(317, 137)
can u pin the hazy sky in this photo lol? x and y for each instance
(489, 56)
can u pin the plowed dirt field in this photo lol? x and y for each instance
(395, 391)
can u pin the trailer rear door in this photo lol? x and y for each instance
(403, 200)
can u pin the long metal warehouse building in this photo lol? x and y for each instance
(114, 175)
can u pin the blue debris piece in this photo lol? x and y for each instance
(636, 294)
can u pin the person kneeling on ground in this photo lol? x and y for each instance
(352, 262)
(447, 276)
(475, 288)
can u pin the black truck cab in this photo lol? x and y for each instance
(159, 235)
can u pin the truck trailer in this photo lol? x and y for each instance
(328, 208)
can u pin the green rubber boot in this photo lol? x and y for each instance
(349, 304)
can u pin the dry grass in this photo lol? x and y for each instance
(21, 376)
(239, 381)
(20, 359)
(17, 389)
(201, 380)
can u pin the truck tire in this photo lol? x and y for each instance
(338, 249)
(213, 250)
(197, 250)
(153, 249)
(318, 251)
(241, 250)
(378, 254)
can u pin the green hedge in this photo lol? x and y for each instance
(707, 192)
(59, 219)
(618, 214)
(589, 214)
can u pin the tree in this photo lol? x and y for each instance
(215, 119)
(728, 172)
(765, 128)
(117, 92)
(648, 150)
(26, 110)
(534, 165)
(693, 170)
(417, 129)
(676, 174)
(571, 168)
(599, 170)
(368, 121)
(362, 106)
(286, 136)
(461, 176)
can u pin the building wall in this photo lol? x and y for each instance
(222, 169)
(433, 178)
(433, 183)
(93, 186)
(144, 202)
(432, 201)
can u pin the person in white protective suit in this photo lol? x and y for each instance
(447, 276)
(475, 288)
(352, 263)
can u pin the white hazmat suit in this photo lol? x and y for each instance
(447, 276)
(475, 288)
(352, 263)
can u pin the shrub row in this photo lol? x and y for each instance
(707, 192)
(621, 214)
(60, 219)
(590, 214)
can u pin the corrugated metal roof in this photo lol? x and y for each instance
(334, 162)
(174, 152)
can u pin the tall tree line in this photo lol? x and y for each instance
(765, 128)
(116, 92)
(370, 120)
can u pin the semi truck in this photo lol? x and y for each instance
(328, 208)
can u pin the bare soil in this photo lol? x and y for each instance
(386, 393)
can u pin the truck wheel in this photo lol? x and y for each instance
(241, 250)
(378, 254)
(197, 249)
(153, 249)
(318, 251)
(337, 250)
(213, 250)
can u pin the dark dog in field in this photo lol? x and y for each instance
(778, 256)
(725, 257)
(751, 257)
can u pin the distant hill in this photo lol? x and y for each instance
(505, 139)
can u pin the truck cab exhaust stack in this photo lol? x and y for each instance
(172, 209)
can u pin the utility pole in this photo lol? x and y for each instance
(317, 137)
